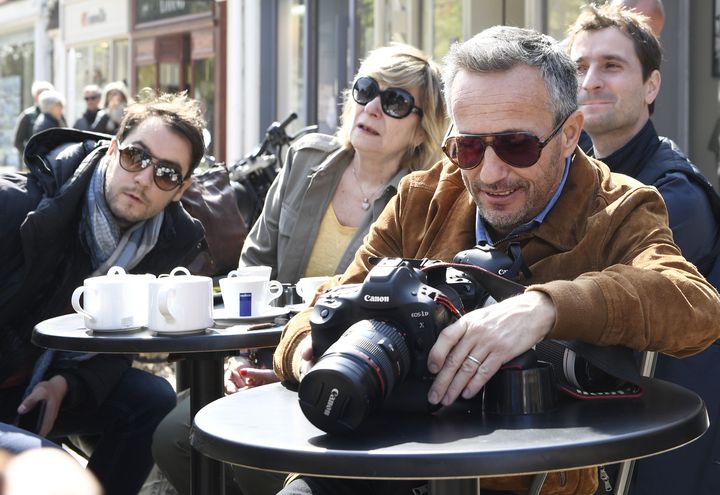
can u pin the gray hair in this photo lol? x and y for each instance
(49, 98)
(93, 89)
(501, 48)
(40, 86)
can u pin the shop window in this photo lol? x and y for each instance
(203, 78)
(290, 83)
(446, 16)
(146, 76)
(562, 13)
(16, 70)
(169, 77)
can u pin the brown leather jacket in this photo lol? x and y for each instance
(604, 254)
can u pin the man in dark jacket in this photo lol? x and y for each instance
(88, 204)
(618, 60)
(88, 120)
(26, 120)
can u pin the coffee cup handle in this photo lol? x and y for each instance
(180, 269)
(163, 307)
(75, 300)
(276, 289)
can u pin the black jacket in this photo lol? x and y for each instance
(43, 257)
(88, 120)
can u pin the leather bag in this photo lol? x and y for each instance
(212, 199)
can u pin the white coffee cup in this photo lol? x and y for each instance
(307, 286)
(260, 271)
(116, 301)
(180, 302)
(248, 296)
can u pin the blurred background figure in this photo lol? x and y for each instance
(115, 99)
(47, 471)
(51, 105)
(652, 9)
(26, 120)
(90, 118)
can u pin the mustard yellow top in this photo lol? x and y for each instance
(331, 242)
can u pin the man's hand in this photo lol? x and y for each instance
(471, 350)
(53, 392)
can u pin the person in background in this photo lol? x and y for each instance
(51, 105)
(332, 188)
(91, 116)
(26, 120)
(115, 99)
(652, 9)
(603, 267)
(618, 59)
(321, 205)
(86, 205)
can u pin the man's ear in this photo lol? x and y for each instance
(113, 146)
(182, 189)
(570, 133)
(652, 86)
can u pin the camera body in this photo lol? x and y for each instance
(370, 337)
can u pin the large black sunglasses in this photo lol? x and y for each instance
(166, 174)
(395, 102)
(518, 149)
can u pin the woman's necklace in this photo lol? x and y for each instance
(366, 197)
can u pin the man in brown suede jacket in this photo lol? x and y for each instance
(604, 266)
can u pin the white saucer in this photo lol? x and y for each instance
(296, 308)
(221, 317)
(115, 330)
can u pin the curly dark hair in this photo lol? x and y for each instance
(181, 114)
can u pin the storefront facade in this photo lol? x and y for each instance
(176, 46)
(306, 52)
(95, 38)
(17, 68)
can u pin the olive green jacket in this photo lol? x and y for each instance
(284, 235)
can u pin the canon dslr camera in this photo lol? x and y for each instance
(371, 337)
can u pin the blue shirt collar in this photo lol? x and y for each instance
(481, 233)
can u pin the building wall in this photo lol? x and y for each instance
(704, 91)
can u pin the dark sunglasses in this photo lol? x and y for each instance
(165, 174)
(395, 102)
(517, 149)
(96, 97)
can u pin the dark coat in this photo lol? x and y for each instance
(44, 257)
(24, 127)
(44, 122)
(88, 121)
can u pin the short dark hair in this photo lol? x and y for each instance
(630, 22)
(181, 114)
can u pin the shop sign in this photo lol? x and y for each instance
(93, 20)
(155, 10)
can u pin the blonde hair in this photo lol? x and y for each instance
(404, 66)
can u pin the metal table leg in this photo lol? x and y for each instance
(463, 486)
(206, 385)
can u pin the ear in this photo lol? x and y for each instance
(570, 133)
(652, 86)
(113, 146)
(182, 189)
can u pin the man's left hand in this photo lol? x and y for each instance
(470, 351)
(53, 392)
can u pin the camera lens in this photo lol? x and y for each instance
(354, 376)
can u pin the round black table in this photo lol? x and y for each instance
(273, 434)
(205, 352)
